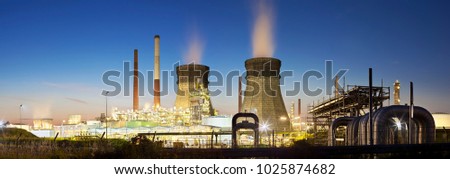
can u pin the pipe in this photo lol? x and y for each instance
(425, 129)
(370, 106)
(136, 82)
(240, 94)
(342, 121)
(156, 82)
(411, 112)
(381, 93)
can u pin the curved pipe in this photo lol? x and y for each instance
(423, 130)
(342, 121)
(352, 131)
(422, 127)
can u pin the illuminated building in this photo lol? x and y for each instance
(42, 124)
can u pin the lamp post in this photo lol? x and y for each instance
(106, 115)
(20, 114)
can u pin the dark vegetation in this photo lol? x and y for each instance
(17, 143)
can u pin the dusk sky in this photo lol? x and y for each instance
(53, 53)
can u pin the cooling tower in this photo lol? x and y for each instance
(192, 81)
(262, 95)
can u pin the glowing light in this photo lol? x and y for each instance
(265, 126)
(397, 122)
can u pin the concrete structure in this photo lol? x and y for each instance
(156, 82)
(192, 81)
(224, 122)
(397, 92)
(136, 82)
(262, 95)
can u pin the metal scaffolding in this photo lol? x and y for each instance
(352, 102)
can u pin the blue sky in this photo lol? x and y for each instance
(53, 53)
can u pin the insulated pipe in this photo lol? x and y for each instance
(425, 123)
(342, 121)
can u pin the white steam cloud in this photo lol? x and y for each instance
(195, 49)
(262, 38)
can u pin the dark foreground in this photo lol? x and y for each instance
(118, 149)
(422, 151)
(17, 144)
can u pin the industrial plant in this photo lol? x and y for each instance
(356, 115)
(352, 117)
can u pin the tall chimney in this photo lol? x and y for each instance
(136, 82)
(157, 84)
(240, 94)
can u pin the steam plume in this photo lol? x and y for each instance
(263, 45)
(195, 49)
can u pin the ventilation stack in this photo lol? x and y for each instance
(263, 95)
(156, 82)
(136, 82)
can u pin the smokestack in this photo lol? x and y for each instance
(156, 82)
(135, 82)
(240, 94)
(397, 92)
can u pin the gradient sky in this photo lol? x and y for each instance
(53, 53)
